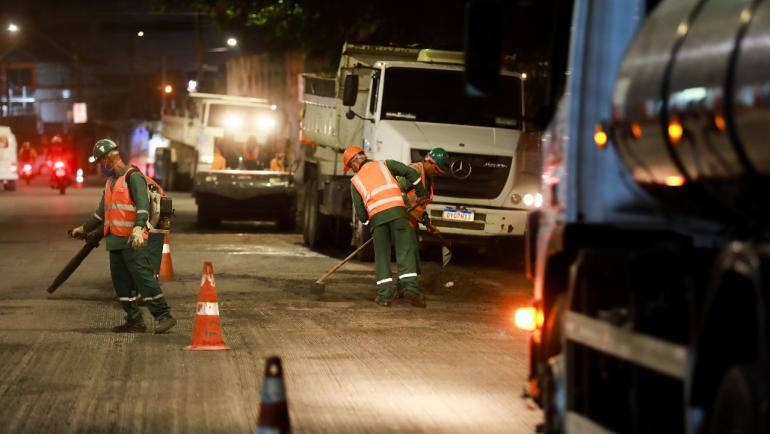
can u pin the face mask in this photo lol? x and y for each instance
(105, 171)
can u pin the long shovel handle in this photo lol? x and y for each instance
(343, 262)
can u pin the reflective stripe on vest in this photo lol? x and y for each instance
(378, 188)
(119, 209)
(412, 199)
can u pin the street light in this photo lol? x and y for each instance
(13, 28)
(232, 42)
(140, 33)
(168, 89)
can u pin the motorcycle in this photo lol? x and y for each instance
(26, 173)
(60, 177)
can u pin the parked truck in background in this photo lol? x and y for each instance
(404, 102)
(245, 186)
(651, 262)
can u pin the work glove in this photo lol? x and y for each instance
(78, 233)
(428, 224)
(136, 239)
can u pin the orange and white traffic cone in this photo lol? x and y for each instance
(206, 332)
(273, 410)
(166, 268)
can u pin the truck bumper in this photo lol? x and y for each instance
(487, 222)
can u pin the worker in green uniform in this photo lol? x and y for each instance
(124, 211)
(378, 203)
(435, 161)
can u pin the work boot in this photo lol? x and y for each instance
(400, 293)
(165, 324)
(382, 301)
(131, 326)
(417, 300)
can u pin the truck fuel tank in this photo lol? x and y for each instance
(691, 108)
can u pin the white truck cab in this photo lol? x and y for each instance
(407, 102)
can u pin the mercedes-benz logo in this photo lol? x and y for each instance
(461, 169)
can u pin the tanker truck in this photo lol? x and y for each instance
(650, 256)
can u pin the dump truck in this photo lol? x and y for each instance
(405, 101)
(650, 256)
(231, 152)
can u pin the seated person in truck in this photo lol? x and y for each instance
(278, 163)
(219, 162)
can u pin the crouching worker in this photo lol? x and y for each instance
(124, 211)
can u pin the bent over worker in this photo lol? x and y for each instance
(124, 211)
(435, 161)
(378, 203)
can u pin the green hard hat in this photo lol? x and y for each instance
(440, 157)
(103, 147)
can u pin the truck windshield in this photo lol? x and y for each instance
(431, 95)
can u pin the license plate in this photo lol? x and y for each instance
(458, 215)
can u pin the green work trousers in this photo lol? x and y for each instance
(155, 245)
(132, 270)
(415, 249)
(401, 235)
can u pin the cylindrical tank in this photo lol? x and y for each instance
(690, 108)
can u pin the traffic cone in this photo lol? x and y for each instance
(206, 332)
(273, 411)
(166, 268)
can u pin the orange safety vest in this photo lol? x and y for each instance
(378, 188)
(415, 215)
(119, 209)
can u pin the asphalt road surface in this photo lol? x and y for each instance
(350, 366)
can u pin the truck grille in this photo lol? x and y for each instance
(486, 180)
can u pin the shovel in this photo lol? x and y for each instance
(446, 254)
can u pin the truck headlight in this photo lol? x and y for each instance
(265, 123)
(233, 121)
(529, 199)
(535, 200)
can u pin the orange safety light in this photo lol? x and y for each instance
(675, 131)
(600, 137)
(675, 181)
(168, 88)
(719, 122)
(525, 318)
(636, 131)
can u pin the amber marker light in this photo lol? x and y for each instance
(600, 137)
(636, 131)
(525, 318)
(674, 181)
(675, 131)
(719, 122)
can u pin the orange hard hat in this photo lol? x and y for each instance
(348, 156)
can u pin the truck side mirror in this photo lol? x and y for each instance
(483, 47)
(350, 91)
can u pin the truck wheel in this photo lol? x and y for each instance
(736, 405)
(206, 218)
(10, 186)
(317, 227)
(361, 234)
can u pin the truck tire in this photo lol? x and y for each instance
(317, 229)
(10, 186)
(361, 234)
(207, 219)
(736, 405)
